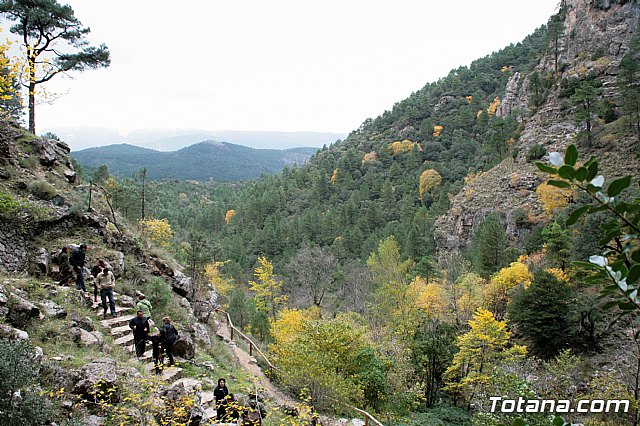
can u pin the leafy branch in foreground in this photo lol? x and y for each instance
(619, 264)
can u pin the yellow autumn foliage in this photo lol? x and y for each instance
(157, 230)
(493, 106)
(469, 98)
(230, 214)
(7, 89)
(497, 293)
(267, 288)
(437, 130)
(402, 147)
(553, 198)
(214, 276)
(334, 177)
(430, 298)
(429, 179)
(559, 274)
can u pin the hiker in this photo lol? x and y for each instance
(97, 268)
(156, 353)
(145, 306)
(140, 326)
(65, 266)
(220, 392)
(77, 261)
(168, 336)
(253, 414)
(106, 281)
(232, 410)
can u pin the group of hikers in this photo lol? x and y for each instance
(228, 410)
(160, 343)
(101, 274)
(104, 281)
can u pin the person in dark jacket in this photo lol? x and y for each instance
(156, 353)
(168, 336)
(65, 266)
(140, 326)
(254, 413)
(220, 392)
(77, 261)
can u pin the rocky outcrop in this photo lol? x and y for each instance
(51, 309)
(42, 261)
(98, 376)
(509, 188)
(21, 311)
(184, 346)
(8, 332)
(201, 334)
(13, 249)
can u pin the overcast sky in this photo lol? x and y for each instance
(283, 65)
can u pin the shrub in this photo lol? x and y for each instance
(19, 374)
(536, 152)
(42, 190)
(7, 203)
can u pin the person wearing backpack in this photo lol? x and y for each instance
(168, 336)
(253, 414)
(77, 261)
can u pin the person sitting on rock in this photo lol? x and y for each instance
(140, 326)
(106, 281)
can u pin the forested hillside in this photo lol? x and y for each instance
(430, 228)
(477, 242)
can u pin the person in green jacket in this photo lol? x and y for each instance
(145, 306)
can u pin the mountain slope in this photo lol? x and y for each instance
(202, 161)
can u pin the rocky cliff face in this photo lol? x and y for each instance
(596, 36)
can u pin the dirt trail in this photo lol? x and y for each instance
(278, 397)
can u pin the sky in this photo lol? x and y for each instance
(279, 65)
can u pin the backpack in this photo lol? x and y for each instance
(170, 334)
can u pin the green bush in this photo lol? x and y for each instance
(42, 190)
(7, 203)
(19, 374)
(536, 152)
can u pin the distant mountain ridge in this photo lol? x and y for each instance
(201, 161)
(174, 139)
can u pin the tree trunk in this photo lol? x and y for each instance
(32, 108)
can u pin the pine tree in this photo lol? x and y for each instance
(488, 246)
(542, 313)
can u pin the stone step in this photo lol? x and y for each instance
(169, 374)
(117, 322)
(121, 331)
(98, 308)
